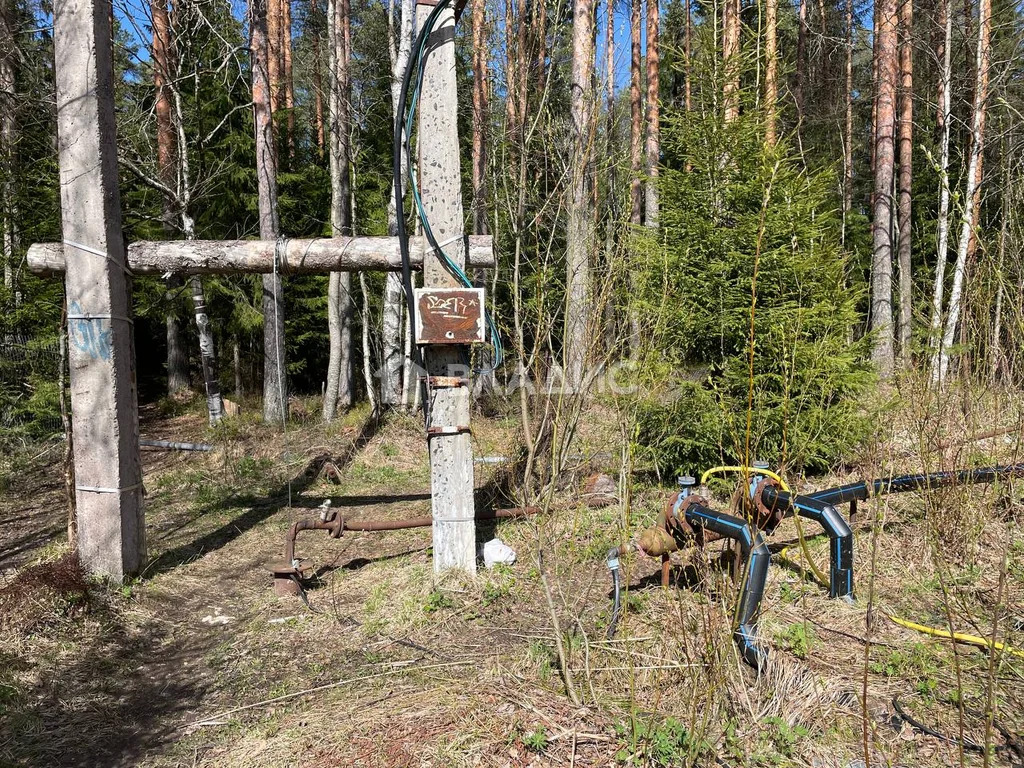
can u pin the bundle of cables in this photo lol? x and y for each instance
(403, 131)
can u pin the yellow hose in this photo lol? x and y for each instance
(981, 642)
(746, 470)
(782, 484)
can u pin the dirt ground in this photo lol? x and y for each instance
(198, 662)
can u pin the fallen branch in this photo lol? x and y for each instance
(170, 445)
(964, 439)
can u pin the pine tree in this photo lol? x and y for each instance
(653, 113)
(275, 387)
(906, 173)
(886, 59)
(580, 231)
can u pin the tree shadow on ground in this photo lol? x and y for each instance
(122, 696)
(260, 509)
(357, 564)
(369, 500)
(18, 551)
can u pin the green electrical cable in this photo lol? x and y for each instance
(449, 263)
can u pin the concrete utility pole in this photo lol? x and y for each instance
(108, 474)
(451, 450)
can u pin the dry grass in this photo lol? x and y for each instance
(408, 672)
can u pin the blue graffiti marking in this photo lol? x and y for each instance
(90, 336)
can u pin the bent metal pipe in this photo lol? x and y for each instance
(288, 572)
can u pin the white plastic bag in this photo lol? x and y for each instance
(497, 551)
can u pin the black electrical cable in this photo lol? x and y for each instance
(303, 595)
(1013, 745)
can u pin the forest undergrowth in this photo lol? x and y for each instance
(198, 662)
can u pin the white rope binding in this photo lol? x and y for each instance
(97, 252)
(101, 489)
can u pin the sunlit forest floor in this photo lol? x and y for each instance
(198, 662)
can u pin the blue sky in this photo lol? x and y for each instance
(134, 18)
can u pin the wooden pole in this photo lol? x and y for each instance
(295, 256)
(108, 474)
(451, 451)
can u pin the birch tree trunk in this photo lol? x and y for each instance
(173, 169)
(391, 321)
(905, 188)
(580, 231)
(236, 359)
(275, 388)
(207, 353)
(319, 123)
(967, 225)
(338, 390)
(214, 401)
(407, 373)
(945, 109)
(731, 59)
(886, 54)
(636, 118)
(176, 175)
(364, 324)
(653, 113)
(771, 71)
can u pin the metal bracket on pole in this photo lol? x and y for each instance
(445, 431)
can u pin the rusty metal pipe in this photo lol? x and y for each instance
(426, 522)
(336, 524)
(293, 532)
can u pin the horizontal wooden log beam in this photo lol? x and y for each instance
(295, 256)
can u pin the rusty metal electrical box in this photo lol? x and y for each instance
(449, 315)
